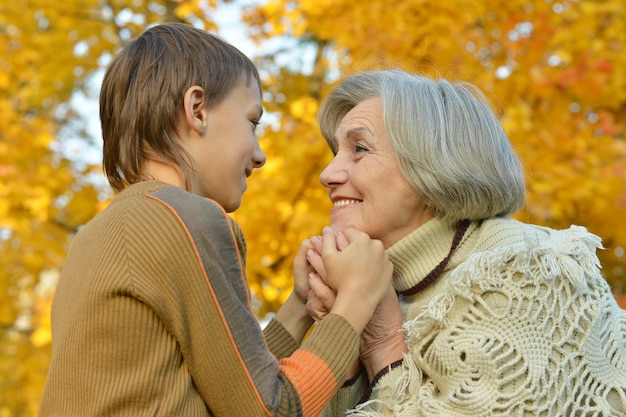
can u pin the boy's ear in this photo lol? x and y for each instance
(195, 111)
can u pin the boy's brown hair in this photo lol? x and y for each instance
(141, 99)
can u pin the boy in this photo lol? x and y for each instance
(152, 313)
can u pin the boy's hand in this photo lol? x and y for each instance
(360, 274)
(301, 270)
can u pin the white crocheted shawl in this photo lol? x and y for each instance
(522, 324)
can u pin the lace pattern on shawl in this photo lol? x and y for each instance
(526, 329)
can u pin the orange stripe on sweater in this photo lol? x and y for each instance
(214, 296)
(312, 378)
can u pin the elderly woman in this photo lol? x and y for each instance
(498, 317)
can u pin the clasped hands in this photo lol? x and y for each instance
(335, 264)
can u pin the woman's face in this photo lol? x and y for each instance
(365, 183)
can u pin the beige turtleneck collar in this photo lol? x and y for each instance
(418, 253)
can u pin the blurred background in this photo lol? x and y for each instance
(555, 72)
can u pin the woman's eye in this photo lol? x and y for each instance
(255, 123)
(360, 148)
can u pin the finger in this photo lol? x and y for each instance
(329, 241)
(314, 307)
(300, 260)
(352, 234)
(307, 243)
(317, 263)
(323, 292)
(316, 242)
(342, 241)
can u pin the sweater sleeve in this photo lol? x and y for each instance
(208, 311)
(347, 397)
(281, 343)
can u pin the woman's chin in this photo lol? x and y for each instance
(340, 226)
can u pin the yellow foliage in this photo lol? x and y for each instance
(304, 109)
(193, 9)
(42, 335)
(555, 71)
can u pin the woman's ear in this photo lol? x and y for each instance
(195, 109)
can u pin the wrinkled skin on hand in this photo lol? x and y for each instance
(382, 339)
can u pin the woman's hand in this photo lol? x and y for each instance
(321, 297)
(382, 340)
(293, 313)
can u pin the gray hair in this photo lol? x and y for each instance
(449, 143)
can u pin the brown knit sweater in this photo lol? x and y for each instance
(152, 317)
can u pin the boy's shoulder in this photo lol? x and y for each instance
(155, 205)
(188, 207)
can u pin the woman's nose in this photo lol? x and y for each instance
(335, 172)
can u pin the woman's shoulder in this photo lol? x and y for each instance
(513, 258)
(501, 232)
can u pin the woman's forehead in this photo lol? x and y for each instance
(364, 118)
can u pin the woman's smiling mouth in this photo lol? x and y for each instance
(345, 202)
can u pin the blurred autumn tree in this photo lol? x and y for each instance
(555, 71)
